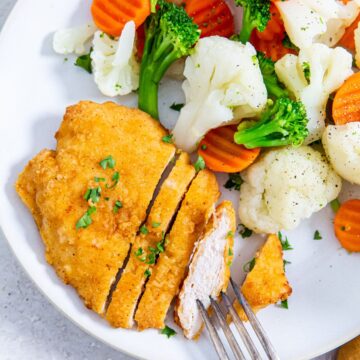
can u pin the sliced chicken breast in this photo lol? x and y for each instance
(169, 271)
(209, 270)
(90, 196)
(129, 288)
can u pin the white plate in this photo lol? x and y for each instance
(35, 87)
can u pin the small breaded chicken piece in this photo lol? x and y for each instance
(209, 270)
(129, 288)
(169, 271)
(53, 186)
(266, 283)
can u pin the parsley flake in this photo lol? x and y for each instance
(317, 235)
(99, 179)
(306, 70)
(176, 107)
(84, 61)
(247, 267)
(86, 219)
(144, 230)
(109, 161)
(244, 231)
(284, 242)
(234, 182)
(203, 147)
(155, 224)
(335, 205)
(115, 178)
(168, 139)
(169, 332)
(93, 195)
(286, 263)
(200, 164)
(230, 252)
(284, 304)
(147, 273)
(118, 205)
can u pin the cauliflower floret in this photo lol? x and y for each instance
(342, 147)
(285, 186)
(357, 46)
(326, 69)
(115, 69)
(73, 40)
(324, 21)
(223, 83)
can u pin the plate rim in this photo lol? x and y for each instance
(3, 228)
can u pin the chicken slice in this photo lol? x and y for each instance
(129, 288)
(169, 271)
(54, 183)
(209, 270)
(266, 283)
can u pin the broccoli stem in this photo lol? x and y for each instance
(247, 26)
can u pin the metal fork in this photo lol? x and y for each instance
(246, 338)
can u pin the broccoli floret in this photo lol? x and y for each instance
(170, 35)
(282, 123)
(256, 14)
(274, 88)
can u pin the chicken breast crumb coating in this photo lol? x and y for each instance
(169, 271)
(88, 213)
(266, 283)
(129, 288)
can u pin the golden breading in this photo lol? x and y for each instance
(124, 299)
(169, 271)
(266, 283)
(54, 183)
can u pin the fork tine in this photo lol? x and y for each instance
(219, 347)
(241, 328)
(226, 329)
(264, 340)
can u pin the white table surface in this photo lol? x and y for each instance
(30, 327)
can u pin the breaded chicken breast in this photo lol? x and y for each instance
(90, 196)
(169, 271)
(209, 270)
(129, 288)
(266, 283)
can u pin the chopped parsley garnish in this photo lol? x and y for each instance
(200, 164)
(144, 230)
(168, 139)
(230, 234)
(244, 231)
(306, 70)
(335, 205)
(284, 304)
(230, 252)
(84, 61)
(93, 194)
(317, 235)
(108, 162)
(286, 263)
(169, 332)
(139, 252)
(155, 224)
(176, 107)
(86, 220)
(147, 273)
(118, 205)
(98, 179)
(115, 178)
(203, 147)
(107, 198)
(249, 265)
(284, 242)
(234, 182)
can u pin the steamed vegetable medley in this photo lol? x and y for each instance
(260, 101)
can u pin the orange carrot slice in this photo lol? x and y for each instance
(275, 27)
(348, 40)
(347, 225)
(273, 49)
(212, 16)
(346, 102)
(111, 16)
(221, 154)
